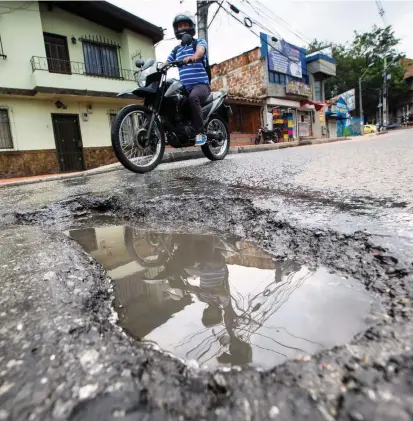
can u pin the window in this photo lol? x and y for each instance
(278, 78)
(57, 53)
(6, 141)
(101, 59)
(317, 91)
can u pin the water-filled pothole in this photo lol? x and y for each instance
(221, 300)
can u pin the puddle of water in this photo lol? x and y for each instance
(221, 300)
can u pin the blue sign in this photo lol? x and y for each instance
(283, 57)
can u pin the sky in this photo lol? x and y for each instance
(297, 22)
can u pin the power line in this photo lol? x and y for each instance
(265, 28)
(283, 23)
(381, 12)
(216, 13)
(24, 7)
(257, 35)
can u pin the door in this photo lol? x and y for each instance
(57, 53)
(68, 142)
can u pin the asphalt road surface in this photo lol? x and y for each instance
(345, 206)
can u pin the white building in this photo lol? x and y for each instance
(61, 66)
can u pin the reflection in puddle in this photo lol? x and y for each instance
(221, 300)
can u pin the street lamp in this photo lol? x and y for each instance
(360, 97)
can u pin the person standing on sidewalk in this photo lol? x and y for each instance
(193, 76)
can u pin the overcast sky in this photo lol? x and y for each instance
(297, 22)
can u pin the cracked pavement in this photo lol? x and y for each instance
(346, 206)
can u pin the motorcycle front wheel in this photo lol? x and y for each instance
(129, 139)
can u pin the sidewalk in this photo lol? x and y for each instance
(173, 155)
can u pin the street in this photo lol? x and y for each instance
(345, 208)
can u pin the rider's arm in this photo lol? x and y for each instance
(201, 48)
(170, 57)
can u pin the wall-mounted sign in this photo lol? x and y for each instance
(298, 88)
(283, 57)
(349, 98)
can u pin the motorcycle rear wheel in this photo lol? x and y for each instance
(214, 150)
(128, 135)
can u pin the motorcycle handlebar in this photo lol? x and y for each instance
(178, 63)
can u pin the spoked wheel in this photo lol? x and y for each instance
(130, 139)
(217, 149)
(148, 249)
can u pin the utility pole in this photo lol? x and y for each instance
(361, 109)
(361, 99)
(202, 7)
(385, 93)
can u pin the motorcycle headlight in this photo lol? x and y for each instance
(142, 79)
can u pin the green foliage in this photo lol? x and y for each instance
(353, 58)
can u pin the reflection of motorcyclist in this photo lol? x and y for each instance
(214, 290)
(203, 259)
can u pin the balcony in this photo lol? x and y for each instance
(76, 76)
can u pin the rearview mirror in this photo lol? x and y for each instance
(186, 39)
(139, 63)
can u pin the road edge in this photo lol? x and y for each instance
(174, 156)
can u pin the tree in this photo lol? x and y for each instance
(353, 58)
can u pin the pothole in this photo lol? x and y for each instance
(220, 300)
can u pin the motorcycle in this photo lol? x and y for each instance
(268, 136)
(140, 133)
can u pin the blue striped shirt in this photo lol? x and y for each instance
(191, 74)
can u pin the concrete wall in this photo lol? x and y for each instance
(60, 22)
(322, 66)
(136, 43)
(22, 37)
(31, 121)
(241, 76)
(22, 30)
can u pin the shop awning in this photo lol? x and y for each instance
(313, 104)
(234, 99)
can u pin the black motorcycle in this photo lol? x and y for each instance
(140, 133)
(268, 136)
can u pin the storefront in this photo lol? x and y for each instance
(284, 117)
(311, 119)
(246, 118)
(338, 118)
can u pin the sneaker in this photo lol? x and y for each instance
(200, 140)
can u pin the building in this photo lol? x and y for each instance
(403, 112)
(242, 77)
(62, 65)
(275, 85)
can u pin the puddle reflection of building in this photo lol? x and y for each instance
(157, 275)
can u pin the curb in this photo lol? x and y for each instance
(184, 155)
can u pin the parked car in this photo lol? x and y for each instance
(370, 128)
(393, 126)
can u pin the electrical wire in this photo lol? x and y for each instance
(216, 13)
(266, 42)
(24, 7)
(252, 31)
(297, 33)
(286, 25)
(252, 21)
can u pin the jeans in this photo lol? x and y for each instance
(196, 99)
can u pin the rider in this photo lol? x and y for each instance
(193, 76)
